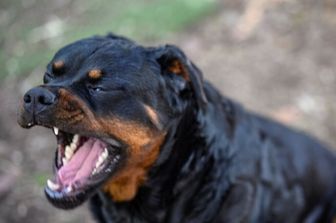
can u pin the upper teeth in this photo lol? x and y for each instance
(69, 150)
(75, 138)
(55, 130)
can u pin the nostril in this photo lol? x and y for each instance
(41, 99)
(27, 98)
(38, 98)
(46, 99)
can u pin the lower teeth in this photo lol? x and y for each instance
(53, 186)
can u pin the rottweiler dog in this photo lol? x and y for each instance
(145, 139)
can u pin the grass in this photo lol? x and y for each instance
(38, 31)
(40, 179)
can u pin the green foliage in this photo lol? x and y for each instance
(41, 179)
(33, 37)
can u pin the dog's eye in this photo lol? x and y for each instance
(95, 89)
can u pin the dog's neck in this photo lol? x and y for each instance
(175, 182)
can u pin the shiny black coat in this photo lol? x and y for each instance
(221, 163)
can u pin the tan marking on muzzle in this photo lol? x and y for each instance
(143, 145)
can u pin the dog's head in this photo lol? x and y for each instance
(110, 103)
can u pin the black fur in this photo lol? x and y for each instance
(221, 163)
(218, 163)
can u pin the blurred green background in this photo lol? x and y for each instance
(276, 57)
(31, 31)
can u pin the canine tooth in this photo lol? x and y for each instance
(55, 130)
(65, 161)
(53, 186)
(75, 139)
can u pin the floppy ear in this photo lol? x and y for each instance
(173, 61)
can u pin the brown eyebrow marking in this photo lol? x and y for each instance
(95, 74)
(58, 66)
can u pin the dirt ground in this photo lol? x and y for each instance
(276, 57)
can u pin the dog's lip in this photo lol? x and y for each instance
(67, 199)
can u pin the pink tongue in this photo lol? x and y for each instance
(81, 163)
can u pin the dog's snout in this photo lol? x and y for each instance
(38, 99)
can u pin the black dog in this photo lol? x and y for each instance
(142, 136)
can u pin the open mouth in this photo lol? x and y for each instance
(82, 164)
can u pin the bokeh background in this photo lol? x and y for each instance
(277, 57)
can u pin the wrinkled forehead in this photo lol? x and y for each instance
(100, 53)
(78, 50)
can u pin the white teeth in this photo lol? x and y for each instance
(116, 158)
(94, 171)
(55, 130)
(75, 139)
(53, 186)
(101, 158)
(73, 146)
(99, 162)
(70, 149)
(69, 189)
(105, 153)
(68, 152)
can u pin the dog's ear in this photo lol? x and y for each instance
(174, 62)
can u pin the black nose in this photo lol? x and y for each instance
(38, 99)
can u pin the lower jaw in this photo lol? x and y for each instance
(65, 198)
(63, 201)
(71, 199)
